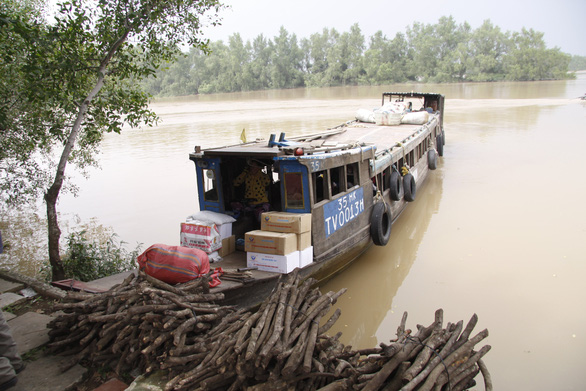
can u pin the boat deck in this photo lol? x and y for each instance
(383, 136)
(343, 136)
(236, 262)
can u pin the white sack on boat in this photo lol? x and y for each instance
(364, 115)
(416, 118)
(214, 217)
(390, 113)
(387, 118)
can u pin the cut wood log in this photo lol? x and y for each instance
(39, 286)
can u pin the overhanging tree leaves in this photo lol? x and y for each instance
(79, 77)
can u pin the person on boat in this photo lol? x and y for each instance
(256, 182)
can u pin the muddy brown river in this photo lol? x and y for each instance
(499, 229)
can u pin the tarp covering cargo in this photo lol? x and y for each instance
(174, 264)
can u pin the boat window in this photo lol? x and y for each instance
(210, 190)
(352, 175)
(336, 180)
(320, 188)
(293, 182)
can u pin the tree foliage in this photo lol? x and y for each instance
(577, 63)
(442, 52)
(66, 83)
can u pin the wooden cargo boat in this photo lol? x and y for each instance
(353, 180)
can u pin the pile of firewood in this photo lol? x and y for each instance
(433, 358)
(133, 325)
(267, 349)
(281, 346)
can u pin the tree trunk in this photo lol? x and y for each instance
(39, 286)
(57, 271)
(52, 193)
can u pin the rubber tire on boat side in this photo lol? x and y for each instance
(432, 159)
(395, 186)
(439, 143)
(380, 224)
(409, 187)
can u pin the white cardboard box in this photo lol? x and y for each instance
(273, 263)
(306, 256)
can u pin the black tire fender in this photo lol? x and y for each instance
(380, 223)
(409, 187)
(432, 159)
(395, 186)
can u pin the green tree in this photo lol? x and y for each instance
(577, 63)
(19, 23)
(259, 67)
(439, 51)
(488, 46)
(81, 72)
(336, 66)
(528, 58)
(315, 60)
(352, 49)
(211, 68)
(237, 64)
(385, 61)
(286, 61)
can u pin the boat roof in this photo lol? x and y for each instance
(350, 135)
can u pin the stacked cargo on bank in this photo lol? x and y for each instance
(282, 244)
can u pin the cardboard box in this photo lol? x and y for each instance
(285, 222)
(267, 242)
(306, 256)
(273, 263)
(228, 246)
(303, 240)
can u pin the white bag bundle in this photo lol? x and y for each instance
(389, 114)
(416, 118)
(364, 115)
(214, 217)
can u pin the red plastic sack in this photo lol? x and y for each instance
(174, 264)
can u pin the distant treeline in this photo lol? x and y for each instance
(577, 63)
(440, 53)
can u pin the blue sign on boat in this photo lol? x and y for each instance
(339, 212)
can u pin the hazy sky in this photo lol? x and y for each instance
(562, 21)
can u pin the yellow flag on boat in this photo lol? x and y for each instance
(243, 135)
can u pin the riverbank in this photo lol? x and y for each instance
(28, 317)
